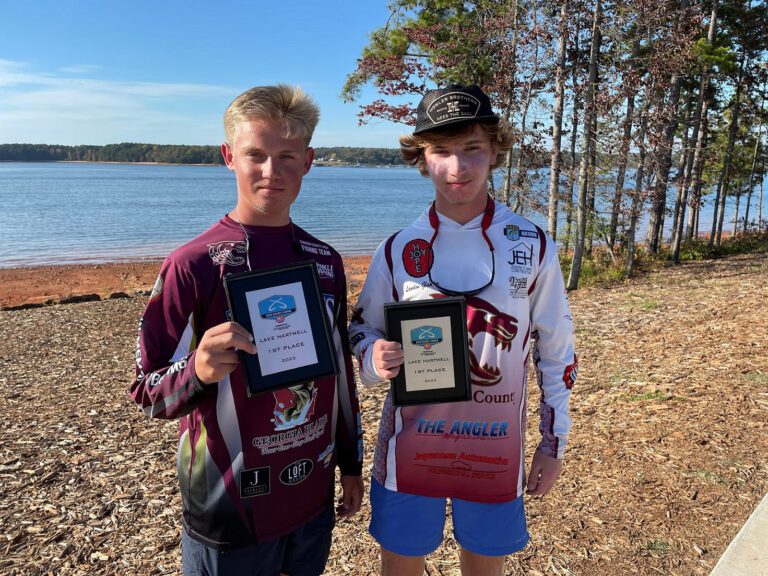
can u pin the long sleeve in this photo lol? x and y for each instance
(367, 323)
(553, 354)
(349, 431)
(166, 385)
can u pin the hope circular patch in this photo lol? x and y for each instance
(417, 257)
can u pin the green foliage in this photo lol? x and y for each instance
(656, 395)
(125, 152)
(599, 270)
(658, 547)
(696, 249)
(172, 154)
(755, 378)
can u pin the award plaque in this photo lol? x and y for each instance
(284, 310)
(433, 334)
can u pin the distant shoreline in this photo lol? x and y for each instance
(49, 284)
(321, 164)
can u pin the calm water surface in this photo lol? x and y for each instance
(59, 213)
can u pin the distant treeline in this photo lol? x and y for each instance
(175, 154)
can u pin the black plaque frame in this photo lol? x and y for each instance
(237, 287)
(454, 308)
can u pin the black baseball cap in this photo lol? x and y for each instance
(455, 104)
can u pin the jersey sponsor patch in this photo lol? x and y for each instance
(157, 289)
(294, 406)
(520, 258)
(417, 257)
(255, 482)
(296, 472)
(227, 252)
(518, 286)
(325, 270)
(571, 371)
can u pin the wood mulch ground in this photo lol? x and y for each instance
(667, 456)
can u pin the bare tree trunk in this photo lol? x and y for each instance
(664, 158)
(507, 182)
(574, 134)
(589, 142)
(700, 130)
(754, 162)
(725, 174)
(591, 213)
(736, 213)
(521, 188)
(637, 197)
(622, 169)
(681, 200)
(760, 203)
(557, 126)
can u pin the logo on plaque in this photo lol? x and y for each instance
(426, 336)
(277, 307)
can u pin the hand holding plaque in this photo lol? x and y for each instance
(433, 334)
(283, 309)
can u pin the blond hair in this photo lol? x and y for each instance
(289, 105)
(412, 146)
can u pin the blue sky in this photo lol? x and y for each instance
(163, 71)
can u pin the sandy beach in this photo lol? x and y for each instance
(666, 458)
(28, 287)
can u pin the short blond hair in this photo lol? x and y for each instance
(412, 145)
(289, 105)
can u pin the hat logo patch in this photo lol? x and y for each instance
(452, 106)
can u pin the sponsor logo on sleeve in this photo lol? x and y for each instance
(254, 482)
(157, 289)
(571, 371)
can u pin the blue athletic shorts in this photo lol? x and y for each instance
(412, 525)
(303, 552)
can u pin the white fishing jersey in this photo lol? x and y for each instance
(474, 449)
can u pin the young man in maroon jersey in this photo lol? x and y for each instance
(256, 474)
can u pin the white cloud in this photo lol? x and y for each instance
(80, 69)
(62, 107)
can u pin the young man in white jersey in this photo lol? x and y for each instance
(507, 269)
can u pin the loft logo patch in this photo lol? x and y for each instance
(296, 472)
(417, 257)
(277, 307)
(254, 482)
(426, 336)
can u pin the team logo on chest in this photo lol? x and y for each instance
(417, 257)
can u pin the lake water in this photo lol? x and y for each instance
(60, 213)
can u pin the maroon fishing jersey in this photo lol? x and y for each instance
(249, 468)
